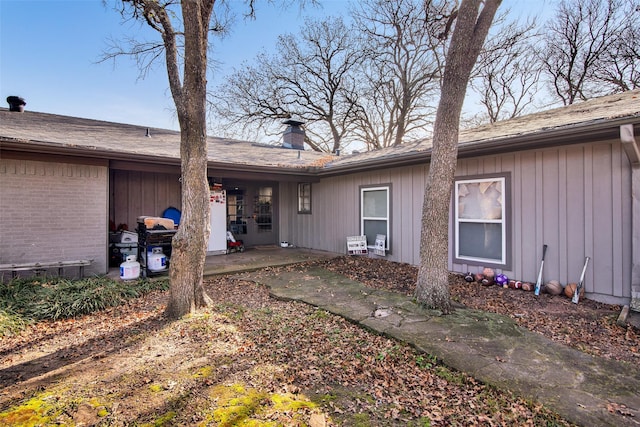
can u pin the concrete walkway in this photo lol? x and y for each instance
(585, 390)
(260, 257)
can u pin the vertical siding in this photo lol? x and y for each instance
(61, 217)
(575, 199)
(578, 177)
(135, 194)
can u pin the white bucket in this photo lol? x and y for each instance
(157, 261)
(130, 269)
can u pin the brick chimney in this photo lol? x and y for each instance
(293, 136)
(16, 103)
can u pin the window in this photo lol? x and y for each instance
(304, 198)
(481, 220)
(236, 222)
(263, 209)
(375, 213)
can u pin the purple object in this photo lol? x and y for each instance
(501, 279)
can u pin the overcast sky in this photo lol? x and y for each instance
(49, 52)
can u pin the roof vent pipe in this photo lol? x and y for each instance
(293, 136)
(16, 103)
(148, 134)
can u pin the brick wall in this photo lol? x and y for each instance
(53, 212)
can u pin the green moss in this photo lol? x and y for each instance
(239, 406)
(36, 411)
(236, 405)
(164, 419)
(289, 402)
(203, 372)
(155, 388)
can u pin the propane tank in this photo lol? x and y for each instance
(130, 269)
(157, 261)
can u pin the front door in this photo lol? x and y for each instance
(263, 224)
(251, 216)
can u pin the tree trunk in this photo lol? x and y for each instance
(190, 242)
(471, 28)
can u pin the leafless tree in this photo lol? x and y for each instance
(401, 76)
(507, 73)
(183, 28)
(472, 23)
(184, 41)
(618, 67)
(309, 78)
(376, 83)
(582, 42)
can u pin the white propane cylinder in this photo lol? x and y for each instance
(130, 269)
(157, 260)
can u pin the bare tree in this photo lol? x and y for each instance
(472, 23)
(619, 66)
(184, 28)
(401, 76)
(507, 73)
(576, 42)
(309, 78)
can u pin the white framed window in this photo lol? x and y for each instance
(480, 216)
(375, 213)
(304, 198)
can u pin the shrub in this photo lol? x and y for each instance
(51, 298)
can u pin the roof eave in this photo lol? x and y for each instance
(605, 130)
(40, 148)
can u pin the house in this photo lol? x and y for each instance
(568, 178)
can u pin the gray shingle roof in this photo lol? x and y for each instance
(534, 126)
(40, 130)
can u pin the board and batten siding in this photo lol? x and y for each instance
(62, 216)
(576, 199)
(135, 194)
(335, 212)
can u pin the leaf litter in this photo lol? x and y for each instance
(253, 360)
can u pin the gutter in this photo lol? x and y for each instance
(602, 130)
(123, 159)
(71, 151)
(599, 130)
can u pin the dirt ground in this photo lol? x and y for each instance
(253, 360)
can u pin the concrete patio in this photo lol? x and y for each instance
(261, 256)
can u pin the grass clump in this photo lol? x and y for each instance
(51, 298)
(11, 323)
